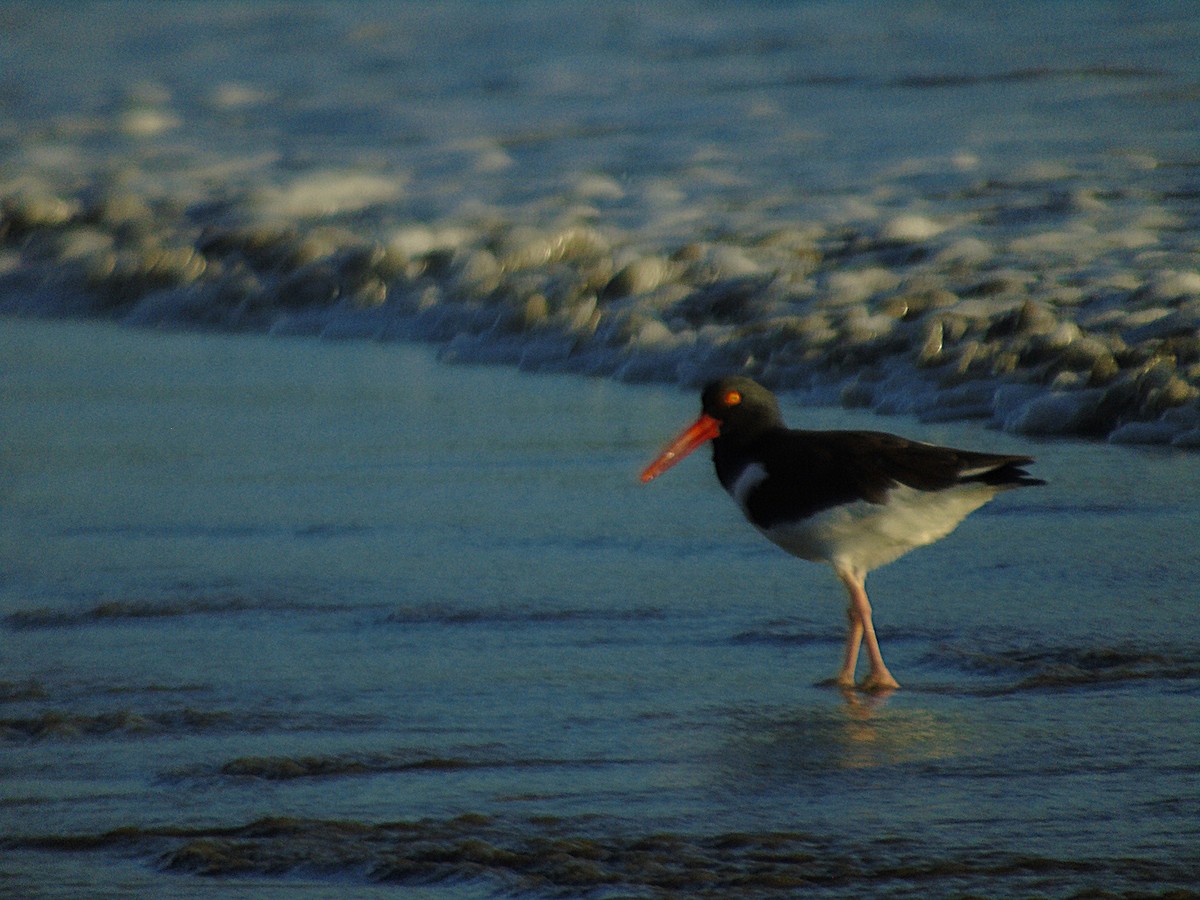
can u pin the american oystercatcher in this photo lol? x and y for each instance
(854, 499)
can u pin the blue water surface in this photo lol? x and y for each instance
(249, 578)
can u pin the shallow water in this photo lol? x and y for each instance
(289, 616)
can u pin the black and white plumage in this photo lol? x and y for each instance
(854, 499)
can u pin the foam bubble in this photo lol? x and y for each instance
(326, 193)
(910, 229)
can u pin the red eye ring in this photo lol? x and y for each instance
(732, 398)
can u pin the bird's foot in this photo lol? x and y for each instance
(879, 683)
(875, 683)
(841, 680)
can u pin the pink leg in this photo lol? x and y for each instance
(854, 636)
(878, 678)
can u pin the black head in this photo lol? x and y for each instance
(742, 406)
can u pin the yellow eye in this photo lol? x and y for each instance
(733, 398)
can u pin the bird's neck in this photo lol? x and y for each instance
(731, 452)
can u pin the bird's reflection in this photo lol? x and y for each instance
(863, 705)
(863, 731)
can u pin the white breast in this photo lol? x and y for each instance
(864, 536)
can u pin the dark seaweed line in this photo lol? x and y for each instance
(1063, 680)
(1068, 668)
(284, 768)
(1068, 680)
(126, 723)
(553, 856)
(110, 611)
(186, 531)
(1033, 74)
(450, 614)
(113, 611)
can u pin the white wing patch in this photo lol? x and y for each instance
(979, 470)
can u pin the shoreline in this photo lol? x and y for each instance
(907, 313)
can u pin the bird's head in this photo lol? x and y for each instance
(735, 408)
(740, 405)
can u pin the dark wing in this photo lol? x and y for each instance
(809, 471)
(928, 467)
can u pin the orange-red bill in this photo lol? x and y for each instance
(703, 429)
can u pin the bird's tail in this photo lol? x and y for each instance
(1008, 473)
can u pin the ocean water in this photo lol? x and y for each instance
(296, 598)
(960, 210)
(291, 616)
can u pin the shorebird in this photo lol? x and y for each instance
(853, 499)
